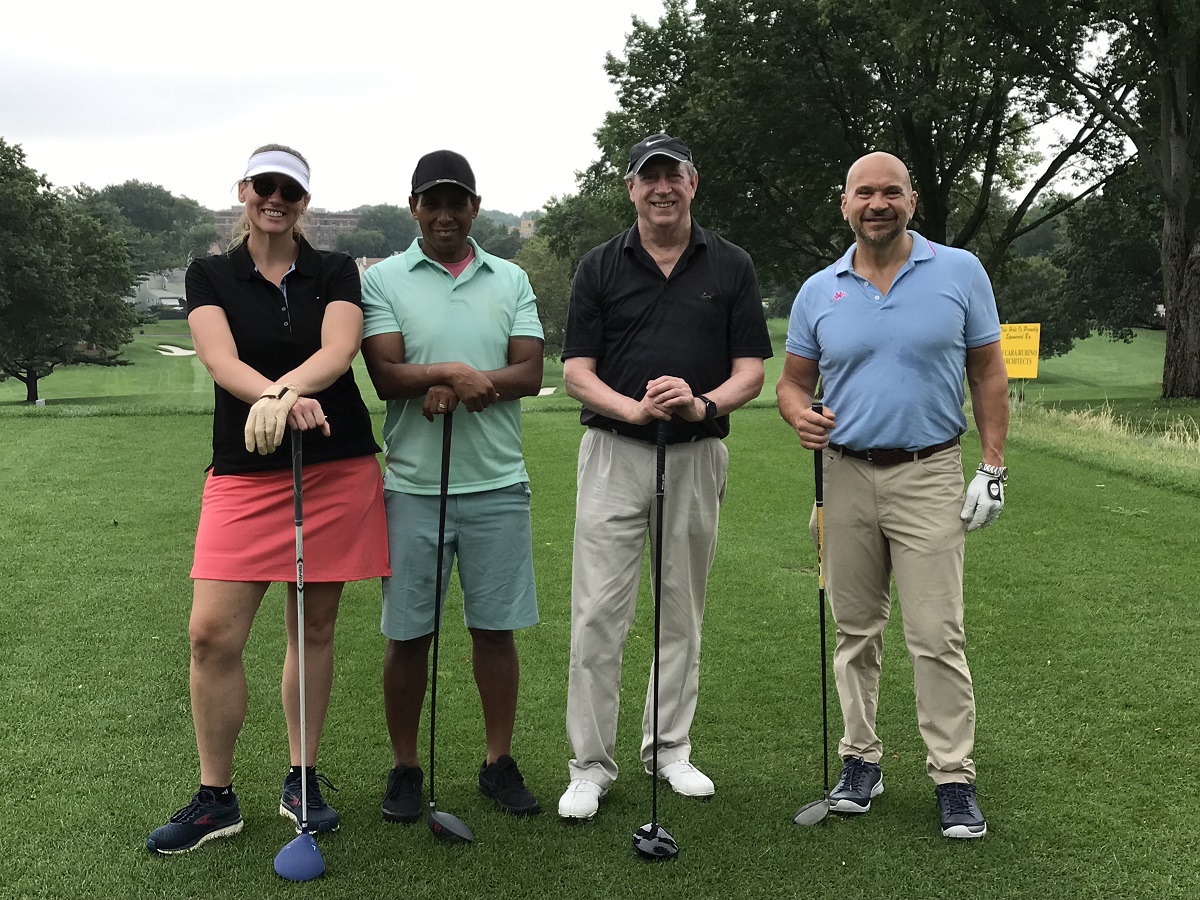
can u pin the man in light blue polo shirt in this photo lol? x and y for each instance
(449, 326)
(889, 329)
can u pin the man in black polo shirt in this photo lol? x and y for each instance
(665, 325)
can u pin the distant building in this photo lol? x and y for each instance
(224, 219)
(158, 292)
(528, 228)
(321, 227)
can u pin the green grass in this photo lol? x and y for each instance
(1124, 379)
(1080, 615)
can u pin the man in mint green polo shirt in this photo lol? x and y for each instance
(447, 326)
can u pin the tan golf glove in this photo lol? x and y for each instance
(267, 422)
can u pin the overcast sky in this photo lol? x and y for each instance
(178, 94)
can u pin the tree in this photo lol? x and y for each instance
(395, 223)
(1136, 64)
(165, 231)
(361, 241)
(495, 238)
(508, 220)
(576, 223)
(1032, 292)
(63, 277)
(778, 97)
(550, 276)
(1110, 255)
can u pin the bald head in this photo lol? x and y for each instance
(879, 201)
(879, 166)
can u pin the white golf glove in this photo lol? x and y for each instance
(985, 497)
(267, 422)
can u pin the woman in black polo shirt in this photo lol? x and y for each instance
(277, 324)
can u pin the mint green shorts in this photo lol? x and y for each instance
(488, 532)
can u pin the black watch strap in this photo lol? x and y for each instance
(710, 408)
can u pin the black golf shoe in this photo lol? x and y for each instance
(860, 782)
(322, 817)
(202, 820)
(402, 799)
(960, 813)
(502, 782)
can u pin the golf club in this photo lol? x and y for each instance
(445, 827)
(652, 841)
(815, 812)
(300, 859)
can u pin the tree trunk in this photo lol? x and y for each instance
(31, 383)
(1181, 296)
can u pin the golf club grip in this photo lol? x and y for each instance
(661, 442)
(297, 468)
(819, 498)
(818, 473)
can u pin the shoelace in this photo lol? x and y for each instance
(958, 797)
(857, 771)
(314, 788)
(198, 801)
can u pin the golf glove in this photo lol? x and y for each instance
(985, 499)
(267, 422)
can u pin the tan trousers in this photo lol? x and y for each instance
(902, 522)
(615, 511)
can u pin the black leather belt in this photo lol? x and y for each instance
(689, 439)
(891, 457)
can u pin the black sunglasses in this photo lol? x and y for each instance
(265, 185)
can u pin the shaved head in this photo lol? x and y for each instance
(879, 200)
(879, 163)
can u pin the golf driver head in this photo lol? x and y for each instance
(653, 842)
(812, 813)
(449, 828)
(300, 859)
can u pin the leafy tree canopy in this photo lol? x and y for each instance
(395, 223)
(550, 277)
(778, 97)
(1135, 64)
(363, 242)
(163, 231)
(496, 239)
(63, 278)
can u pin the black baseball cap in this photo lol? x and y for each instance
(657, 145)
(443, 167)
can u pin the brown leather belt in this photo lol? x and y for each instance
(894, 457)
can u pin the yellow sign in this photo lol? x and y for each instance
(1020, 345)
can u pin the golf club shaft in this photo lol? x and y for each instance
(819, 483)
(659, 491)
(447, 427)
(298, 504)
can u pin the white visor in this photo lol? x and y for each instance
(278, 162)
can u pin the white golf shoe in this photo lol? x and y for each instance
(686, 779)
(581, 799)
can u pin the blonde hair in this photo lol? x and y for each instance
(241, 227)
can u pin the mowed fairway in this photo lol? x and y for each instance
(1082, 627)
